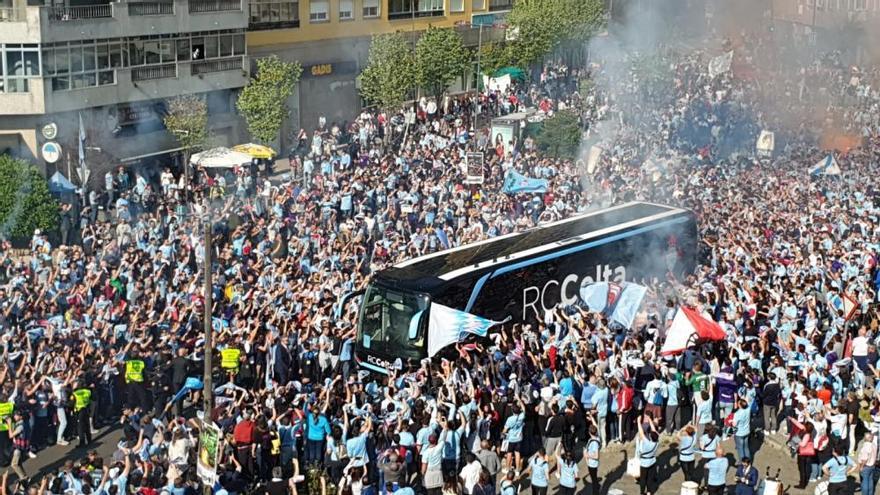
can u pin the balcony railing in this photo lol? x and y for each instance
(200, 67)
(199, 6)
(154, 72)
(150, 8)
(496, 5)
(11, 14)
(80, 12)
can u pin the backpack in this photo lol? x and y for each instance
(657, 400)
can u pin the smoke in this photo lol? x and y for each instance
(653, 95)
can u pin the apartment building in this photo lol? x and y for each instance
(113, 64)
(849, 25)
(331, 39)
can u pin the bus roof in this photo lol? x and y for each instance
(427, 271)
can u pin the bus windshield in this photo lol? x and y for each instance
(392, 322)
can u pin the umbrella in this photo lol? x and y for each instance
(220, 158)
(255, 150)
(59, 184)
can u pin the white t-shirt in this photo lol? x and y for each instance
(471, 475)
(860, 346)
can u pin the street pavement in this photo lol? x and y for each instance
(770, 452)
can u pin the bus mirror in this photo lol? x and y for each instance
(414, 325)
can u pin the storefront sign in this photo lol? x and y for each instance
(51, 152)
(321, 70)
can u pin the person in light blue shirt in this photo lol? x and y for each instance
(568, 473)
(837, 472)
(599, 401)
(646, 448)
(716, 471)
(742, 421)
(356, 446)
(672, 420)
(513, 435)
(587, 392)
(317, 431)
(592, 454)
(687, 448)
(539, 469)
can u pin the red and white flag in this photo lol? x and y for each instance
(687, 328)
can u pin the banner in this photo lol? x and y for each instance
(687, 328)
(474, 166)
(515, 182)
(447, 326)
(209, 453)
(766, 143)
(720, 64)
(593, 159)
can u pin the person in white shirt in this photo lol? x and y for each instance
(470, 473)
(860, 349)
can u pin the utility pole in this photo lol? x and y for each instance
(208, 388)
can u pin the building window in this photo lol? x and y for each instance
(346, 10)
(496, 5)
(371, 8)
(478, 5)
(405, 9)
(456, 5)
(319, 10)
(19, 63)
(860, 5)
(272, 15)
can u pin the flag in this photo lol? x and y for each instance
(720, 64)
(515, 182)
(619, 302)
(448, 326)
(842, 302)
(826, 166)
(82, 144)
(687, 328)
(441, 236)
(189, 385)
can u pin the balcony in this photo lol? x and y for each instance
(200, 67)
(164, 71)
(150, 8)
(84, 12)
(204, 6)
(273, 15)
(500, 5)
(12, 14)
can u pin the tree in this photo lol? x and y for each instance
(389, 76)
(263, 101)
(541, 25)
(561, 135)
(440, 59)
(25, 201)
(495, 56)
(187, 120)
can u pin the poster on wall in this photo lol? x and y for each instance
(474, 164)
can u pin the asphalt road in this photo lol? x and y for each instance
(770, 452)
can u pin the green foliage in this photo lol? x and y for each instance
(495, 56)
(187, 120)
(541, 25)
(263, 102)
(561, 135)
(25, 201)
(440, 59)
(389, 75)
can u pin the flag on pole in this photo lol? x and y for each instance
(720, 64)
(82, 143)
(442, 237)
(447, 326)
(687, 328)
(619, 302)
(826, 166)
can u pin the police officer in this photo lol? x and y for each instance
(134, 382)
(6, 410)
(229, 361)
(82, 399)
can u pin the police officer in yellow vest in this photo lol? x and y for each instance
(82, 400)
(134, 381)
(229, 360)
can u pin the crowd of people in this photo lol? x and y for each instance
(105, 330)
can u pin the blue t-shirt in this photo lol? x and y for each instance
(593, 448)
(742, 420)
(357, 447)
(647, 452)
(540, 470)
(514, 426)
(587, 395)
(672, 393)
(704, 413)
(837, 467)
(600, 402)
(319, 427)
(568, 474)
(717, 471)
(686, 449)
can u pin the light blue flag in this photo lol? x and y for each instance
(447, 326)
(515, 182)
